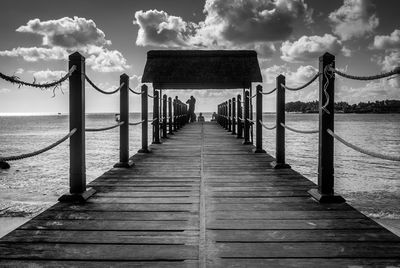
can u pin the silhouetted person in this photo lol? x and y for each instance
(214, 116)
(200, 118)
(191, 116)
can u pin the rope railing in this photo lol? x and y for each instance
(266, 127)
(255, 95)
(361, 150)
(104, 128)
(303, 86)
(135, 92)
(150, 96)
(269, 92)
(15, 80)
(371, 77)
(136, 123)
(298, 130)
(51, 146)
(103, 91)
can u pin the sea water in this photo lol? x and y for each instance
(372, 185)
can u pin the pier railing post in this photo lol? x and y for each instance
(77, 168)
(164, 117)
(246, 118)
(124, 129)
(170, 115)
(280, 130)
(145, 119)
(259, 111)
(226, 115)
(234, 117)
(175, 115)
(325, 192)
(229, 115)
(239, 116)
(156, 118)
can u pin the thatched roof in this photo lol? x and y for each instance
(201, 69)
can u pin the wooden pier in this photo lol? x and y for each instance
(201, 199)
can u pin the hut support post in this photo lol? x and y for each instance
(246, 118)
(325, 192)
(124, 129)
(77, 169)
(164, 117)
(280, 130)
(170, 115)
(234, 117)
(239, 117)
(145, 119)
(229, 115)
(156, 119)
(259, 130)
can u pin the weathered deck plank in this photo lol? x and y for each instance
(200, 199)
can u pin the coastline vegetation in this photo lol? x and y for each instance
(385, 106)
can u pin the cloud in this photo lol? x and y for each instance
(104, 60)
(36, 53)
(311, 47)
(63, 36)
(375, 90)
(387, 42)
(388, 63)
(69, 33)
(354, 18)
(135, 82)
(302, 75)
(48, 75)
(226, 24)
(157, 28)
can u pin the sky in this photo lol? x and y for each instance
(114, 37)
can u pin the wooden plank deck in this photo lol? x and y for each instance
(201, 199)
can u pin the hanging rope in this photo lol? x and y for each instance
(136, 123)
(104, 128)
(266, 127)
(15, 80)
(269, 92)
(254, 96)
(300, 131)
(150, 96)
(371, 77)
(135, 92)
(303, 86)
(102, 91)
(51, 146)
(363, 151)
(327, 77)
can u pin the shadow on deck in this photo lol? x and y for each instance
(201, 199)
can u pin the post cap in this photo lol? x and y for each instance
(327, 57)
(76, 55)
(259, 87)
(144, 86)
(124, 75)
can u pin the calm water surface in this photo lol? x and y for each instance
(370, 184)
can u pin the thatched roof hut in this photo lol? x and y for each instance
(201, 69)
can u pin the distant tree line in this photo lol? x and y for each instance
(386, 106)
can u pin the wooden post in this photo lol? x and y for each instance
(164, 117)
(156, 118)
(124, 129)
(239, 116)
(246, 118)
(176, 113)
(279, 163)
(259, 112)
(229, 115)
(77, 169)
(145, 119)
(226, 115)
(325, 192)
(170, 115)
(234, 117)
